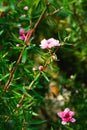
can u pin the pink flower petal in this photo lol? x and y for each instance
(21, 31)
(71, 113)
(64, 122)
(60, 114)
(22, 37)
(66, 116)
(44, 44)
(50, 43)
(73, 120)
(66, 110)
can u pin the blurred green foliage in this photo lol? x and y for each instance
(65, 20)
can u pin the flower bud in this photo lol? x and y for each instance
(54, 58)
(26, 8)
(41, 68)
(17, 45)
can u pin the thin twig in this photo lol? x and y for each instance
(56, 11)
(23, 128)
(14, 69)
(7, 85)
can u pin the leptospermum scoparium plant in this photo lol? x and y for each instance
(66, 116)
(28, 94)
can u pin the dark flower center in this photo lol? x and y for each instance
(66, 115)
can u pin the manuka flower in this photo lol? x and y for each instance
(23, 34)
(66, 116)
(50, 43)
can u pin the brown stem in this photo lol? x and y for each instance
(13, 70)
(7, 85)
(23, 128)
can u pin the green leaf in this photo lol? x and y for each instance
(3, 8)
(69, 128)
(38, 122)
(16, 39)
(37, 77)
(37, 94)
(16, 93)
(36, 3)
(24, 57)
(1, 32)
(4, 77)
(65, 3)
(51, 128)
(4, 55)
(45, 76)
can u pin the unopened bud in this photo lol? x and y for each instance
(41, 68)
(54, 58)
(26, 8)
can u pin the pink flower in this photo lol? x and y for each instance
(41, 68)
(22, 37)
(21, 31)
(50, 43)
(66, 116)
(28, 32)
(23, 34)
